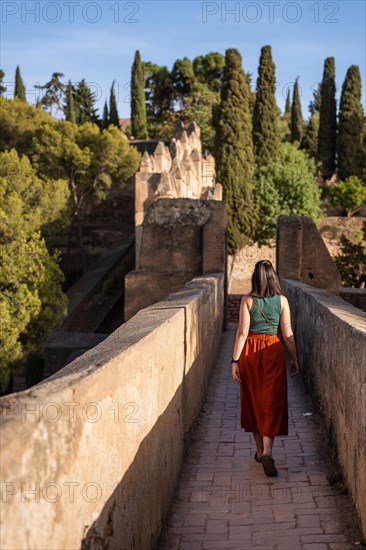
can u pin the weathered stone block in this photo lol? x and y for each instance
(302, 255)
(144, 287)
(181, 238)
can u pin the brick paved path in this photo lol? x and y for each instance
(225, 500)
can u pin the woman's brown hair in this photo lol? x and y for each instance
(265, 280)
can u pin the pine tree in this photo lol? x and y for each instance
(183, 77)
(19, 90)
(234, 152)
(105, 121)
(265, 136)
(2, 87)
(296, 115)
(208, 69)
(69, 107)
(138, 106)
(327, 120)
(54, 93)
(85, 104)
(351, 127)
(113, 113)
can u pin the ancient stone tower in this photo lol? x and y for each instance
(180, 219)
(174, 171)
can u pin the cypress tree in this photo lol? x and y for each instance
(252, 93)
(234, 152)
(105, 121)
(310, 140)
(69, 108)
(351, 127)
(265, 135)
(113, 113)
(314, 105)
(138, 106)
(19, 90)
(2, 87)
(296, 115)
(327, 120)
(288, 104)
(285, 131)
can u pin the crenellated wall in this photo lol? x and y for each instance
(99, 445)
(330, 337)
(176, 170)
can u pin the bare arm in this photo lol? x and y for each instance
(286, 330)
(241, 336)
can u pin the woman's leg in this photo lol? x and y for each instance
(259, 442)
(267, 445)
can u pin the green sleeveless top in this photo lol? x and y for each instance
(271, 307)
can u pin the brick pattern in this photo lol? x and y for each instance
(233, 306)
(225, 500)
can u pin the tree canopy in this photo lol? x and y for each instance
(286, 186)
(18, 122)
(352, 128)
(327, 133)
(350, 193)
(31, 299)
(265, 132)
(138, 105)
(234, 152)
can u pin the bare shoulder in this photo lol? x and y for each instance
(284, 301)
(247, 299)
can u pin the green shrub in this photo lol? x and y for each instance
(351, 253)
(350, 194)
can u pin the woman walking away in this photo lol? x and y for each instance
(258, 362)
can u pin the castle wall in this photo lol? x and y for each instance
(174, 170)
(182, 238)
(99, 445)
(302, 255)
(330, 337)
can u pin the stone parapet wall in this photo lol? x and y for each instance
(355, 296)
(101, 442)
(330, 336)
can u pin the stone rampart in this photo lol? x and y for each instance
(99, 445)
(330, 337)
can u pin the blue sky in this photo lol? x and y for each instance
(97, 40)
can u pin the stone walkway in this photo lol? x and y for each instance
(225, 500)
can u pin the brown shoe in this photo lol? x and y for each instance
(268, 465)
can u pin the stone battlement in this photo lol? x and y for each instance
(175, 169)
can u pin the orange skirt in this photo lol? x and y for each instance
(263, 387)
